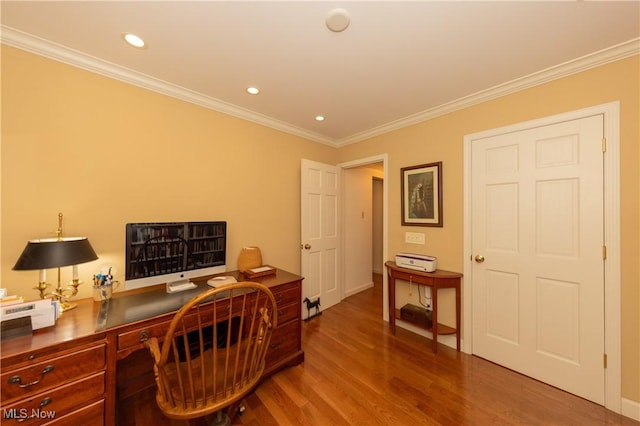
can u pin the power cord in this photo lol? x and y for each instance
(427, 306)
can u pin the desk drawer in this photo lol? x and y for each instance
(135, 338)
(408, 276)
(92, 415)
(56, 402)
(287, 293)
(287, 313)
(284, 341)
(50, 373)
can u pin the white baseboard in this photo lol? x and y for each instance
(630, 409)
(353, 291)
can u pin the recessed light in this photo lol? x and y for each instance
(133, 40)
(319, 117)
(253, 90)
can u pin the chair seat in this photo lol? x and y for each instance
(217, 394)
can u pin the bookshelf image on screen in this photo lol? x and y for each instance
(173, 252)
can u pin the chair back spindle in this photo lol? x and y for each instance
(213, 353)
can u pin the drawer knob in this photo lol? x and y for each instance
(45, 401)
(17, 380)
(275, 345)
(144, 335)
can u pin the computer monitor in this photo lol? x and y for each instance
(173, 252)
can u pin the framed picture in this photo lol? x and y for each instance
(422, 195)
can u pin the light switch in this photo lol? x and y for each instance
(414, 237)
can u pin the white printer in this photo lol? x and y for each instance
(419, 262)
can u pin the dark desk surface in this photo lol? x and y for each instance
(141, 304)
(90, 320)
(129, 308)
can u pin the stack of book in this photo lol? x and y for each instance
(16, 314)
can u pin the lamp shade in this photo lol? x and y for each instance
(54, 253)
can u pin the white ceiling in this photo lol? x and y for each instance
(396, 64)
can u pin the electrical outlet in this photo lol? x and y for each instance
(414, 237)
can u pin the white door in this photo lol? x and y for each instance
(537, 241)
(319, 249)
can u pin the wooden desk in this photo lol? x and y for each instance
(436, 280)
(81, 364)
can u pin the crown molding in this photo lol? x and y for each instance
(593, 60)
(27, 42)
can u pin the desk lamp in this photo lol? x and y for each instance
(56, 252)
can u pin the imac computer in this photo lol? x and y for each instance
(173, 253)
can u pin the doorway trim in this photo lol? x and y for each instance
(611, 114)
(384, 159)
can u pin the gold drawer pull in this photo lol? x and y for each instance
(144, 336)
(18, 380)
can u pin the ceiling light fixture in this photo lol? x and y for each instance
(337, 20)
(253, 90)
(319, 117)
(133, 40)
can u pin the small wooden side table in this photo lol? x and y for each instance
(436, 280)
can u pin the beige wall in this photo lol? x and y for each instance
(105, 153)
(441, 139)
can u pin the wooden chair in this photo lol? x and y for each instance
(213, 353)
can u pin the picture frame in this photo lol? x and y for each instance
(422, 195)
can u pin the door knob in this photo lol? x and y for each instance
(307, 246)
(479, 258)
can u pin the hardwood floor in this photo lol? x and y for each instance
(357, 373)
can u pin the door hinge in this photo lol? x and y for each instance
(604, 252)
(604, 360)
(604, 144)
